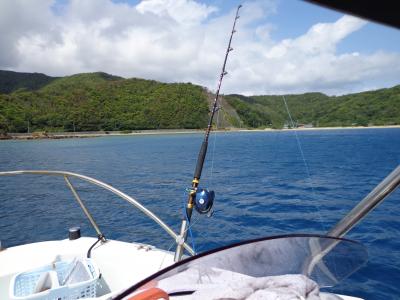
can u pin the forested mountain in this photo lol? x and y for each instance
(99, 101)
(380, 107)
(11, 81)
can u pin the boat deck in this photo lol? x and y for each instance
(121, 264)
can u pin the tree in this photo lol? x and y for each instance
(4, 129)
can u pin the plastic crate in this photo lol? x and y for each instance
(74, 279)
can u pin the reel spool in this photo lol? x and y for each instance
(204, 201)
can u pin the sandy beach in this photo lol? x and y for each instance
(320, 128)
(65, 135)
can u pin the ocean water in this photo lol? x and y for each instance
(266, 183)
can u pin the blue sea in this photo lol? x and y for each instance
(266, 183)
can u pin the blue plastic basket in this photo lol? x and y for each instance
(23, 285)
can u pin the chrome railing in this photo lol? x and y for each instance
(375, 197)
(105, 186)
(365, 206)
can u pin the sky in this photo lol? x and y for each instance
(280, 47)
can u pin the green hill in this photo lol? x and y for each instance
(11, 81)
(380, 107)
(99, 101)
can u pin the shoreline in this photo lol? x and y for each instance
(88, 134)
(321, 128)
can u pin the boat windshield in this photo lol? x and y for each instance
(326, 260)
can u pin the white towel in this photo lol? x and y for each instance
(217, 284)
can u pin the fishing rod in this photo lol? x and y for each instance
(204, 199)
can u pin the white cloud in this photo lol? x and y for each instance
(310, 63)
(183, 11)
(18, 19)
(184, 40)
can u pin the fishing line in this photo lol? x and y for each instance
(305, 164)
(165, 255)
(194, 221)
(190, 226)
(203, 235)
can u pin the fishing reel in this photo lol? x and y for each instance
(204, 201)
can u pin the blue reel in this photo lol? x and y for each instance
(204, 201)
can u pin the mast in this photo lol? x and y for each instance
(202, 154)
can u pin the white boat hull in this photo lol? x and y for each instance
(121, 264)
